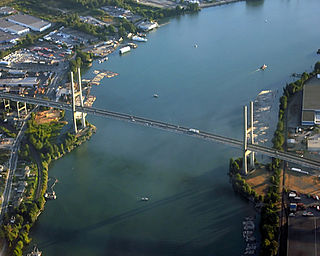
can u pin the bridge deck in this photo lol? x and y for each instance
(168, 127)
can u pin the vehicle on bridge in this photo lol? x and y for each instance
(194, 130)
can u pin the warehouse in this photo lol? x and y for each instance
(13, 28)
(311, 102)
(31, 22)
(7, 38)
(23, 82)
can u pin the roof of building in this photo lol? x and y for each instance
(29, 20)
(311, 95)
(314, 142)
(4, 24)
(6, 9)
(6, 37)
(28, 81)
(307, 116)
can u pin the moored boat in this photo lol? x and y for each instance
(139, 39)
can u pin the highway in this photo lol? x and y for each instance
(169, 127)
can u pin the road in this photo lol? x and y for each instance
(12, 167)
(290, 157)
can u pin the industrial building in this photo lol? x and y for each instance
(147, 25)
(13, 28)
(31, 22)
(7, 10)
(7, 38)
(313, 143)
(311, 102)
(21, 82)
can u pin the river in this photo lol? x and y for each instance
(192, 208)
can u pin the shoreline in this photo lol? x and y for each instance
(224, 2)
(40, 201)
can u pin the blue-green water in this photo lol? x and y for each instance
(192, 209)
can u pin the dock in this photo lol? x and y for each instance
(100, 74)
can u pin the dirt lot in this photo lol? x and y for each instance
(301, 183)
(47, 116)
(259, 181)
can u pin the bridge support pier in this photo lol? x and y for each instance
(83, 120)
(73, 105)
(247, 152)
(6, 104)
(24, 107)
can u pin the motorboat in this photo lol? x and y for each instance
(144, 198)
(263, 67)
(155, 95)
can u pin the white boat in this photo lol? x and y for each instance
(103, 60)
(195, 46)
(263, 67)
(155, 95)
(139, 39)
(124, 49)
(144, 198)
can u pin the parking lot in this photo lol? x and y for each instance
(303, 236)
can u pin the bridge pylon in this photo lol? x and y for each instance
(247, 131)
(83, 119)
(6, 104)
(24, 107)
(75, 94)
(73, 105)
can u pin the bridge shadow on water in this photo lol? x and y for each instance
(65, 235)
(205, 197)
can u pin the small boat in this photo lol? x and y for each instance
(263, 67)
(144, 198)
(139, 39)
(132, 45)
(50, 196)
(103, 60)
(155, 96)
(35, 252)
(195, 46)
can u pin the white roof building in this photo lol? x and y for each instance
(31, 22)
(13, 28)
(147, 25)
(313, 143)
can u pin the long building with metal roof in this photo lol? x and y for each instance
(11, 27)
(31, 22)
(311, 102)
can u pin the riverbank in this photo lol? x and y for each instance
(43, 144)
(223, 2)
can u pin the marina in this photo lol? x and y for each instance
(249, 236)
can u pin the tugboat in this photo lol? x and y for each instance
(35, 252)
(263, 67)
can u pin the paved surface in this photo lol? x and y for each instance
(304, 236)
(294, 158)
